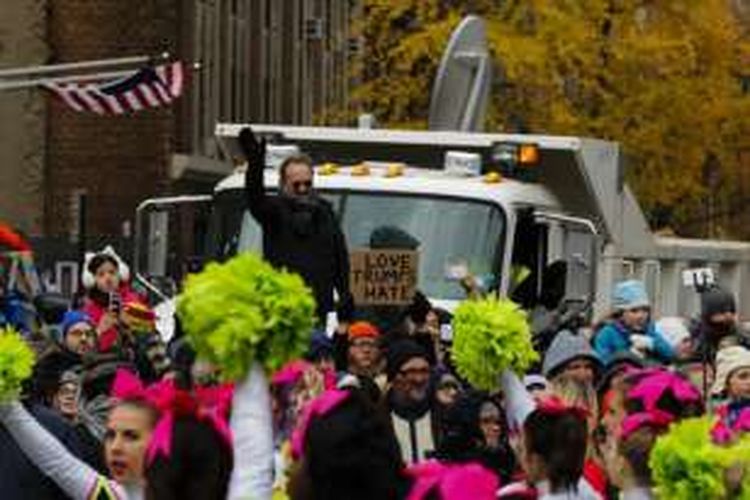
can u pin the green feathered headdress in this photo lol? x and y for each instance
(489, 335)
(245, 311)
(686, 464)
(16, 363)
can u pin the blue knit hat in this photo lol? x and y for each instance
(630, 294)
(72, 318)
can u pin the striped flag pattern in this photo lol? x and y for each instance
(150, 87)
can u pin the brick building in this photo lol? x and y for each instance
(22, 117)
(281, 61)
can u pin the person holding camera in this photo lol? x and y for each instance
(106, 280)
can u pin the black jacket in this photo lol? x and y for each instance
(304, 237)
(19, 478)
(707, 342)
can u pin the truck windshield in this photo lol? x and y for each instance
(448, 233)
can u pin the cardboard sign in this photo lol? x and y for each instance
(383, 277)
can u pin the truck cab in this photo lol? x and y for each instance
(456, 224)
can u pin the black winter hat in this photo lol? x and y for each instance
(618, 364)
(392, 237)
(400, 352)
(716, 301)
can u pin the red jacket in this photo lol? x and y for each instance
(108, 338)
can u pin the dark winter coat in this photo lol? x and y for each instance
(304, 237)
(19, 478)
(707, 341)
(416, 427)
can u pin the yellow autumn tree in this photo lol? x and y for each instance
(664, 78)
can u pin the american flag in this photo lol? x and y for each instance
(149, 87)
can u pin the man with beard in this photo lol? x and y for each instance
(300, 230)
(718, 326)
(409, 400)
(77, 340)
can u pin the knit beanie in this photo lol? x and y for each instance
(71, 319)
(392, 237)
(566, 347)
(630, 294)
(728, 360)
(619, 363)
(400, 352)
(360, 329)
(716, 301)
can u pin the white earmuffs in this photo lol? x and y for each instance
(87, 277)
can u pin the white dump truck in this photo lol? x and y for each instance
(556, 208)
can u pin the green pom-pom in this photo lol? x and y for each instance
(16, 363)
(686, 464)
(490, 335)
(245, 311)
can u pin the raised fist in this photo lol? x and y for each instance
(253, 149)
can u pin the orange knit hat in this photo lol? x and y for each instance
(360, 329)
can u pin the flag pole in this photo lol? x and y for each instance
(21, 84)
(19, 78)
(83, 65)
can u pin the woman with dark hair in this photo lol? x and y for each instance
(158, 444)
(554, 451)
(347, 450)
(474, 430)
(106, 280)
(199, 467)
(495, 452)
(130, 426)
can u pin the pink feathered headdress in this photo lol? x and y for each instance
(650, 389)
(457, 482)
(292, 372)
(316, 408)
(655, 419)
(210, 405)
(553, 405)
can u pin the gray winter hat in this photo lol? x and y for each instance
(566, 347)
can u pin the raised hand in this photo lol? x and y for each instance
(253, 149)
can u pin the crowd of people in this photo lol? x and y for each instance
(366, 413)
(373, 410)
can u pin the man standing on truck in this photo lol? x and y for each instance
(300, 230)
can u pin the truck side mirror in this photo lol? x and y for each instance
(580, 255)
